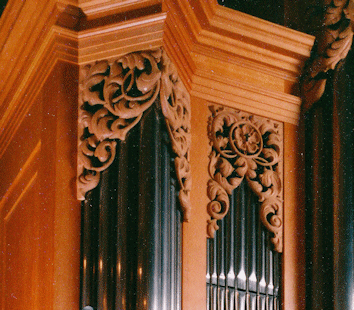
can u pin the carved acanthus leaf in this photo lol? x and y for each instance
(247, 147)
(113, 98)
(333, 43)
(175, 105)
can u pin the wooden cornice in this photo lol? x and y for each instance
(250, 39)
(236, 59)
(94, 9)
(222, 55)
(114, 40)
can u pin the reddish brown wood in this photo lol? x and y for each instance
(222, 56)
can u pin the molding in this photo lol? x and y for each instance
(250, 147)
(98, 8)
(208, 31)
(240, 95)
(222, 47)
(118, 39)
(239, 35)
(113, 98)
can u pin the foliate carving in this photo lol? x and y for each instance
(334, 41)
(247, 147)
(175, 105)
(113, 98)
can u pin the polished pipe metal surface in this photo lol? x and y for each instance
(243, 271)
(131, 226)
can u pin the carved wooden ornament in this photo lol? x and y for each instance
(247, 147)
(334, 41)
(113, 98)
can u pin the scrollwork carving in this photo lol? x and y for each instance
(333, 42)
(113, 98)
(247, 147)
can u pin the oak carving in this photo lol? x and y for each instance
(334, 41)
(113, 98)
(247, 147)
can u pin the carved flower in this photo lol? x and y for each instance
(247, 139)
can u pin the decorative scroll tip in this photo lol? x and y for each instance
(87, 181)
(212, 228)
(184, 198)
(278, 244)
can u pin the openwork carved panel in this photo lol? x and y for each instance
(247, 147)
(113, 98)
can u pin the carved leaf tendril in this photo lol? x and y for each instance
(245, 147)
(114, 96)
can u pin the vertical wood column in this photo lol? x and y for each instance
(343, 188)
(294, 271)
(194, 232)
(330, 194)
(319, 208)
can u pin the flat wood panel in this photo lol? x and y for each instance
(19, 234)
(58, 171)
(194, 232)
(22, 145)
(22, 243)
(294, 272)
(39, 213)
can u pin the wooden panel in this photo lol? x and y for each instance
(22, 145)
(294, 219)
(270, 55)
(194, 232)
(19, 231)
(58, 168)
(39, 213)
(21, 247)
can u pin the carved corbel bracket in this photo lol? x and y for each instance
(247, 147)
(113, 98)
(333, 42)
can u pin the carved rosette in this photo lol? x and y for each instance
(247, 147)
(113, 98)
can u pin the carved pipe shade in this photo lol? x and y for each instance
(247, 147)
(113, 98)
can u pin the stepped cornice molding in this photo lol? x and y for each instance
(98, 8)
(235, 33)
(232, 58)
